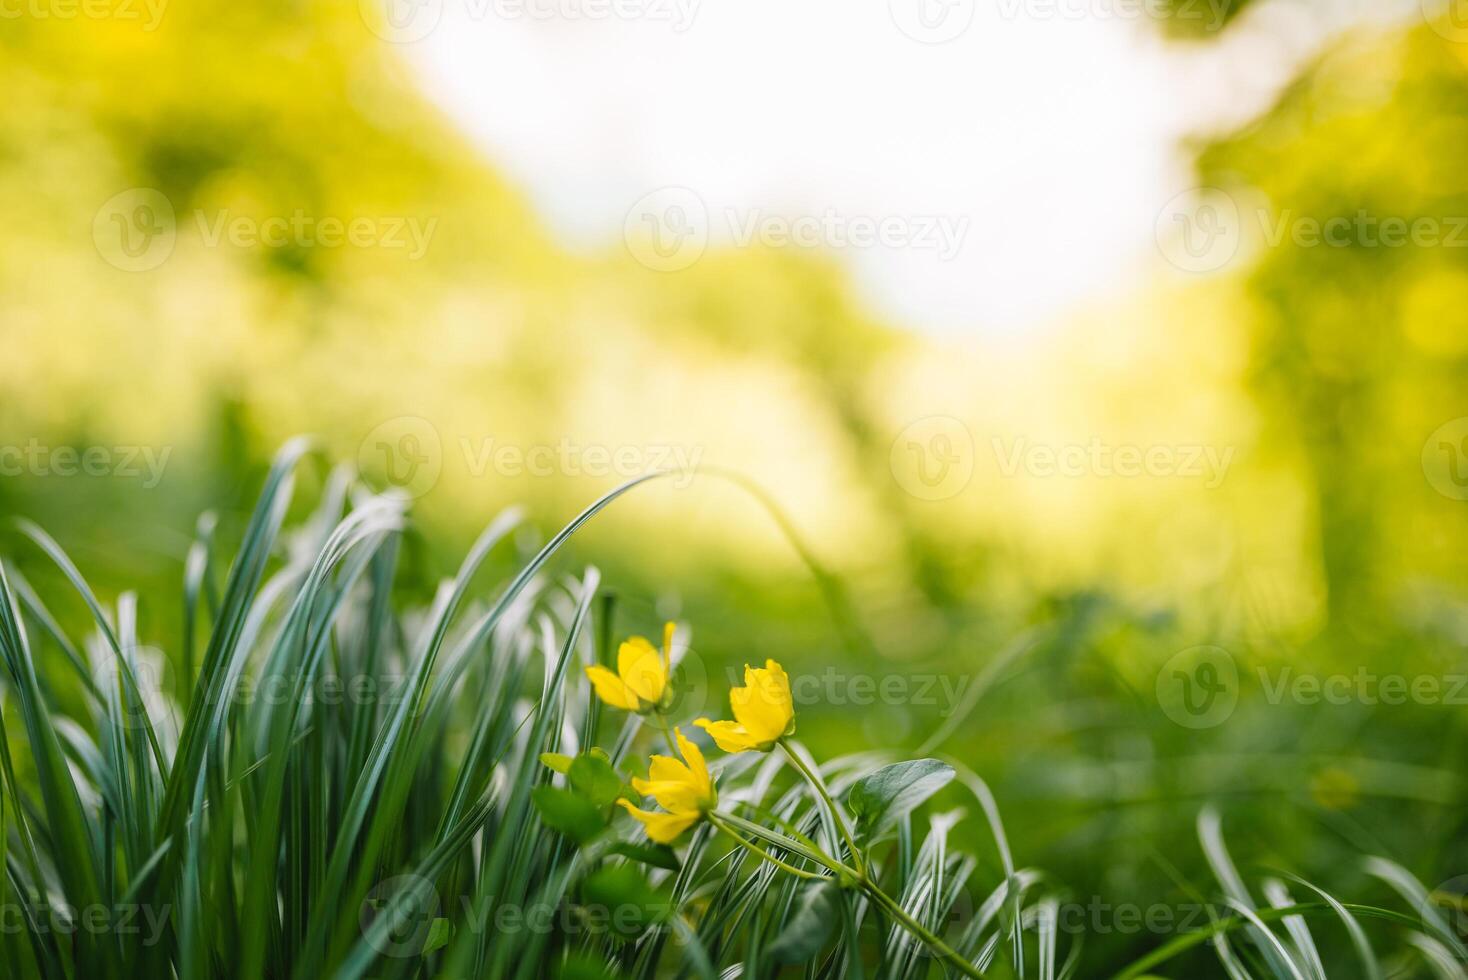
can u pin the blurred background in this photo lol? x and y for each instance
(1108, 359)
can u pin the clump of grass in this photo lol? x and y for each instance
(343, 787)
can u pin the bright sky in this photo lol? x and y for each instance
(982, 166)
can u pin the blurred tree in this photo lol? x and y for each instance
(1360, 347)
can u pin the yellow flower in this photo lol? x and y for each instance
(685, 790)
(643, 674)
(763, 711)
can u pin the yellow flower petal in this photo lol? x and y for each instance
(609, 688)
(665, 767)
(641, 668)
(664, 828)
(678, 785)
(679, 795)
(697, 768)
(727, 735)
(764, 706)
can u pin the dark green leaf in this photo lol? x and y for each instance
(657, 855)
(880, 799)
(595, 779)
(816, 913)
(562, 810)
(619, 900)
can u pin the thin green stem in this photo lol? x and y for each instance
(899, 915)
(761, 852)
(820, 788)
(770, 837)
(668, 736)
(727, 823)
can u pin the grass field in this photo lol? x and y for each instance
(340, 784)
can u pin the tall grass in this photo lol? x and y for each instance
(337, 785)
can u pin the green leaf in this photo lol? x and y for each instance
(556, 762)
(656, 855)
(816, 913)
(594, 779)
(620, 901)
(564, 811)
(439, 934)
(880, 799)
